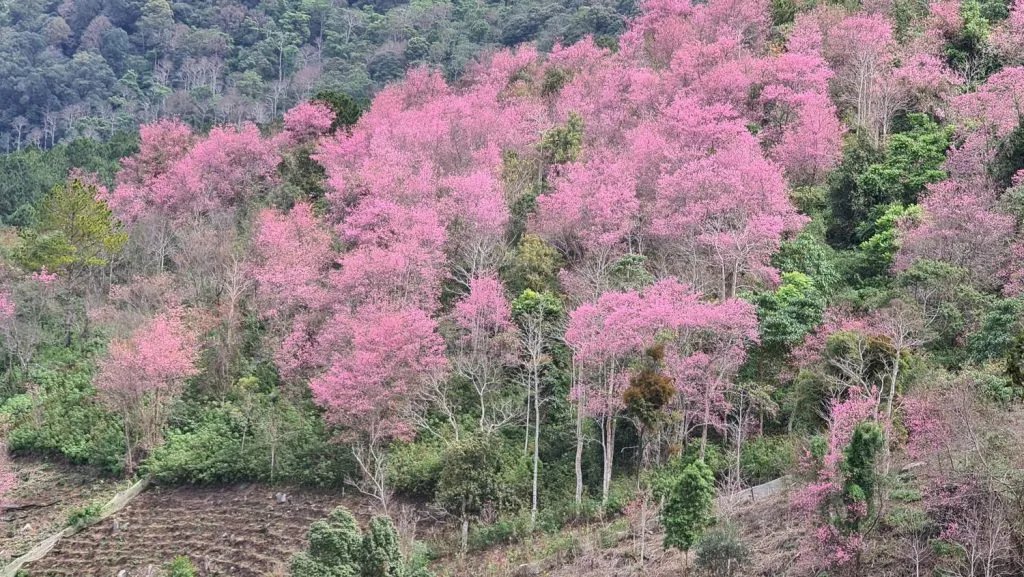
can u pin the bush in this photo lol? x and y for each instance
(85, 515)
(767, 458)
(721, 551)
(337, 548)
(61, 415)
(181, 566)
(414, 468)
(483, 472)
(231, 441)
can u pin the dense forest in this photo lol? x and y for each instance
(94, 67)
(531, 265)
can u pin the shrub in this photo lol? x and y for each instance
(414, 469)
(60, 416)
(337, 548)
(231, 441)
(85, 515)
(766, 458)
(721, 551)
(181, 566)
(687, 510)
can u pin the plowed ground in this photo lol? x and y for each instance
(239, 531)
(51, 491)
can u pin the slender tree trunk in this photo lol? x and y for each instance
(526, 437)
(609, 456)
(579, 453)
(536, 444)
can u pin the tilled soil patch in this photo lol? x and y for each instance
(244, 531)
(39, 505)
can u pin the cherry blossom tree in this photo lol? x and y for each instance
(605, 337)
(169, 177)
(293, 253)
(486, 347)
(959, 227)
(704, 347)
(142, 374)
(308, 121)
(377, 361)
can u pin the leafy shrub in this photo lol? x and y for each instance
(337, 548)
(483, 472)
(721, 551)
(766, 458)
(85, 515)
(245, 438)
(414, 469)
(61, 416)
(181, 566)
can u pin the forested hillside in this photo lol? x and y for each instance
(80, 72)
(93, 67)
(522, 292)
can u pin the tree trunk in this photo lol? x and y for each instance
(609, 456)
(536, 446)
(579, 454)
(465, 533)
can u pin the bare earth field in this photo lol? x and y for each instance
(48, 492)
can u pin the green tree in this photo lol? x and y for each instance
(563, 144)
(878, 252)
(688, 507)
(790, 312)
(346, 109)
(476, 472)
(75, 232)
(381, 556)
(912, 160)
(335, 548)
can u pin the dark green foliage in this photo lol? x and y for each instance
(252, 435)
(338, 548)
(28, 175)
(859, 459)
(480, 471)
(786, 315)
(630, 273)
(783, 12)
(52, 59)
(999, 331)
(809, 254)
(912, 159)
(60, 415)
(869, 180)
(85, 515)
(687, 512)
(73, 232)
(563, 144)
(335, 548)
(380, 555)
(346, 110)
(767, 458)
(1009, 157)
(846, 208)
(721, 551)
(1015, 362)
(878, 252)
(414, 469)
